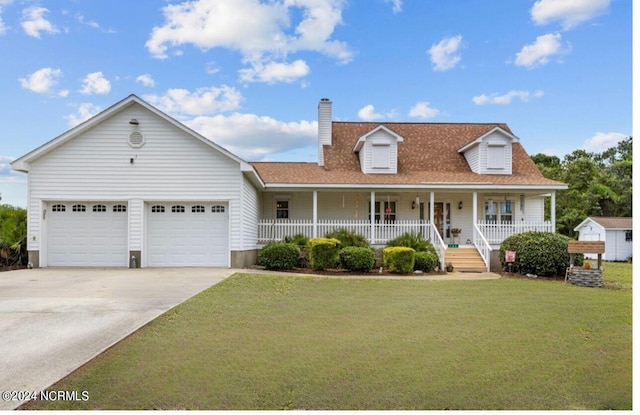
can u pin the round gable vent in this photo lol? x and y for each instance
(136, 139)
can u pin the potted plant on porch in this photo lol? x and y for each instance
(455, 233)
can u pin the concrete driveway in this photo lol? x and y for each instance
(54, 320)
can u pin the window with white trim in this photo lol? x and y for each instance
(79, 208)
(157, 209)
(282, 209)
(498, 212)
(120, 208)
(217, 209)
(58, 208)
(197, 209)
(99, 208)
(628, 235)
(177, 209)
(385, 210)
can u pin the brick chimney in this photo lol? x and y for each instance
(324, 127)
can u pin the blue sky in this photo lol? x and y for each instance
(248, 74)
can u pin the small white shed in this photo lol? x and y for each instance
(617, 233)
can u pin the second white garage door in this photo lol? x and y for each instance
(187, 234)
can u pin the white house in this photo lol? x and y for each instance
(134, 187)
(617, 234)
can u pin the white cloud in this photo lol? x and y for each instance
(146, 80)
(3, 27)
(33, 22)
(570, 13)
(261, 32)
(41, 81)
(368, 113)
(95, 83)
(602, 141)
(253, 137)
(505, 99)
(273, 72)
(423, 110)
(541, 51)
(444, 54)
(397, 5)
(85, 111)
(181, 102)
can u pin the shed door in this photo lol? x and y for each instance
(87, 234)
(187, 234)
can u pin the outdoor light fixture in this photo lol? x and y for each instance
(413, 204)
(460, 205)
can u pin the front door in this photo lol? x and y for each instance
(439, 216)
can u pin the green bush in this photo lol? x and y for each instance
(13, 236)
(413, 240)
(355, 258)
(425, 261)
(539, 253)
(399, 259)
(323, 253)
(279, 256)
(298, 240)
(348, 238)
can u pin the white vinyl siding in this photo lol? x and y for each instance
(491, 155)
(472, 156)
(101, 165)
(249, 222)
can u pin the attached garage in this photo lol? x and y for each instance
(187, 234)
(87, 234)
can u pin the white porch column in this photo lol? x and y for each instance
(553, 211)
(432, 211)
(315, 213)
(474, 218)
(372, 214)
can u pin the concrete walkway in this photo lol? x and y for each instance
(52, 321)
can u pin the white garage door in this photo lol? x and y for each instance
(87, 234)
(187, 234)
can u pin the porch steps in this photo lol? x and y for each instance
(465, 260)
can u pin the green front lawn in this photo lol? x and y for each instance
(281, 342)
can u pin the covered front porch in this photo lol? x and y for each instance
(483, 218)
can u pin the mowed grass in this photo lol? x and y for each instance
(281, 342)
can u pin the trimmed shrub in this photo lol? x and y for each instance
(539, 253)
(425, 261)
(399, 259)
(279, 256)
(298, 240)
(355, 258)
(415, 241)
(348, 238)
(323, 253)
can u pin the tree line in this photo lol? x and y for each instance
(600, 184)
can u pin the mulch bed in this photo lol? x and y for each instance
(342, 273)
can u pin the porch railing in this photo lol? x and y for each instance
(482, 245)
(438, 244)
(276, 229)
(495, 233)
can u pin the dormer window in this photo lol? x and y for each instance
(495, 156)
(380, 156)
(378, 151)
(491, 153)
